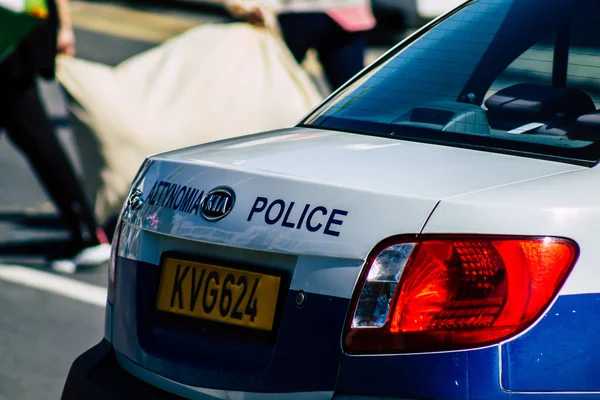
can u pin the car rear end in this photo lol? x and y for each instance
(287, 294)
(426, 233)
(254, 302)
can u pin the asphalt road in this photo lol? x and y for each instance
(40, 335)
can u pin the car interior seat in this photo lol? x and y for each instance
(555, 109)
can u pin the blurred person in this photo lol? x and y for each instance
(336, 29)
(24, 119)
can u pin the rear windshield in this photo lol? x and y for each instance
(515, 76)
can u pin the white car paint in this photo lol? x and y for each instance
(410, 179)
(550, 206)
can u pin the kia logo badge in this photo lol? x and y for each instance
(135, 200)
(217, 204)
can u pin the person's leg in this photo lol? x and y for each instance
(302, 31)
(342, 54)
(32, 132)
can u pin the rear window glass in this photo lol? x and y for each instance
(517, 76)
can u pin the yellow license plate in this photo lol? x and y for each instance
(219, 294)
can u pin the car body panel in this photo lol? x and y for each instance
(108, 322)
(324, 266)
(196, 393)
(551, 358)
(554, 205)
(559, 354)
(339, 159)
(193, 359)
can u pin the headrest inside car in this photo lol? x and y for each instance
(586, 127)
(530, 102)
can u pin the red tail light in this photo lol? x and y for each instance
(446, 293)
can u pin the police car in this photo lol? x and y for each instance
(430, 231)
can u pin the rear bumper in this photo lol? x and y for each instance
(95, 375)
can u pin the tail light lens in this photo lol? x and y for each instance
(452, 293)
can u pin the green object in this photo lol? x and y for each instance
(36, 8)
(16, 24)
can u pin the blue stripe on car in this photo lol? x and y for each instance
(560, 353)
(557, 355)
(416, 376)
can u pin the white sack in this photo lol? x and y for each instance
(17, 6)
(213, 82)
